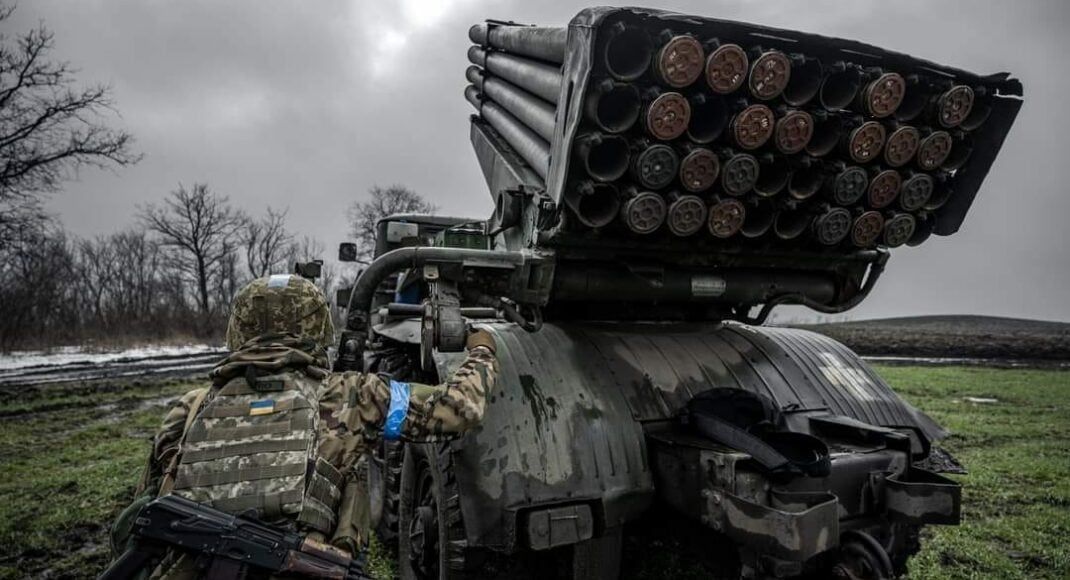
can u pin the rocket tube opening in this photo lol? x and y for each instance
(959, 155)
(628, 53)
(940, 195)
(805, 182)
(709, 117)
(643, 213)
(883, 95)
(605, 157)
(826, 135)
(923, 229)
(849, 185)
(687, 215)
(955, 105)
(833, 226)
(914, 101)
(614, 107)
(739, 173)
(839, 89)
(806, 77)
(898, 230)
(699, 170)
(773, 175)
(982, 108)
(595, 204)
(916, 191)
(759, 219)
(726, 216)
(656, 166)
(726, 68)
(680, 61)
(867, 229)
(790, 223)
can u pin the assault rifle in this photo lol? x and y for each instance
(231, 546)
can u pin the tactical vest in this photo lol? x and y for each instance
(253, 446)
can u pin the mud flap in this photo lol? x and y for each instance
(796, 526)
(918, 496)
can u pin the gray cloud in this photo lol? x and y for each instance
(307, 104)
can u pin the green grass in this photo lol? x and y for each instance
(1016, 499)
(72, 455)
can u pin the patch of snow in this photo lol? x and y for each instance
(70, 355)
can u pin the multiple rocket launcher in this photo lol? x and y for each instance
(704, 137)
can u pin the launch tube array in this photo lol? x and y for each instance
(689, 136)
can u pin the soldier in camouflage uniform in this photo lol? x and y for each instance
(279, 434)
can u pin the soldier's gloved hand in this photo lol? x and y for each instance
(480, 337)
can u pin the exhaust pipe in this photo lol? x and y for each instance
(806, 77)
(605, 157)
(726, 217)
(533, 76)
(726, 68)
(864, 141)
(848, 186)
(769, 75)
(595, 204)
(883, 95)
(828, 130)
(883, 187)
(916, 192)
(901, 146)
(739, 172)
(915, 98)
(699, 169)
(954, 106)
(793, 131)
(667, 116)
(532, 148)
(806, 179)
(752, 127)
(679, 61)
(627, 52)
(773, 176)
(832, 226)
(840, 87)
(543, 43)
(655, 166)
(791, 222)
(759, 218)
(898, 229)
(687, 214)
(529, 110)
(867, 229)
(614, 107)
(709, 117)
(934, 150)
(643, 212)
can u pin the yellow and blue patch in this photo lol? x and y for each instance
(265, 407)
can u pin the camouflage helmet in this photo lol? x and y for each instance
(278, 304)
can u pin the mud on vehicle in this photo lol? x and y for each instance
(661, 183)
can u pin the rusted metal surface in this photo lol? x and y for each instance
(667, 116)
(726, 68)
(753, 126)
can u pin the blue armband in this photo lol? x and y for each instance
(399, 409)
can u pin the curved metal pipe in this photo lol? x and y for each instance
(544, 43)
(533, 76)
(529, 110)
(527, 143)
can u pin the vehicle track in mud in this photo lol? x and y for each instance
(154, 366)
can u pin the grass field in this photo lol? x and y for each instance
(72, 454)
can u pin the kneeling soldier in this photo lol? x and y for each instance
(279, 435)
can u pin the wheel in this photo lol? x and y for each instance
(431, 537)
(384, 486)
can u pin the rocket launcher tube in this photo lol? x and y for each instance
(533, 76)
(543, 43)
(533, 112)
(595, 204)
(527, 143)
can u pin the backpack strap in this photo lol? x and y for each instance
(167, 484)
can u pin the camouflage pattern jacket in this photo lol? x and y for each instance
(355, 409)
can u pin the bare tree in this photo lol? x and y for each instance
(364, 215)
(49, 127)
(201, 228)
(266, 242)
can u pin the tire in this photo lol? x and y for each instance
(384, 486)
(431, 539)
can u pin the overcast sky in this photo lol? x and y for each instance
(306, 104)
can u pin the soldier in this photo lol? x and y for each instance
(279, 434)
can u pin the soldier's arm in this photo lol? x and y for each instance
(418, 412)
(166, 440)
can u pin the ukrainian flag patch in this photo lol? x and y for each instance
(265, 407)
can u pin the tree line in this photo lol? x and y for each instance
(173, 272)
